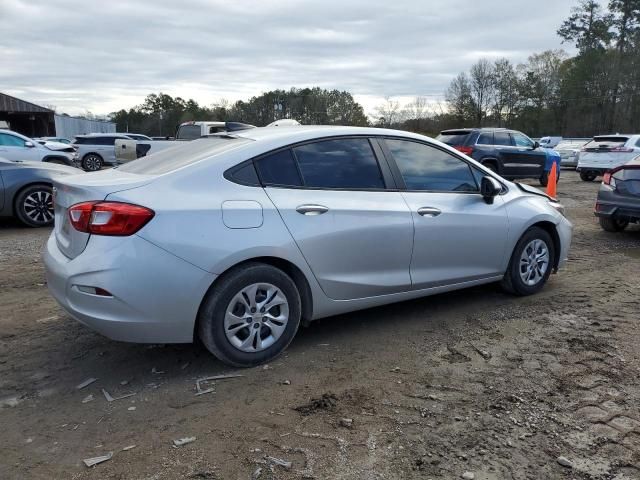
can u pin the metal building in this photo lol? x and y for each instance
(35, 121)
(27, 118)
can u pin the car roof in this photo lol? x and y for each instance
(89, 135)
(308, 132)
(475, 129)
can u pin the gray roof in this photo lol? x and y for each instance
(13, 104)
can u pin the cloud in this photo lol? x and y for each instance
(103, 56)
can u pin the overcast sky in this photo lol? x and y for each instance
(105, 55)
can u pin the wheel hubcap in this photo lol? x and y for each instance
(256, 317)
(38, 206)
(93, 163)
(534, 262)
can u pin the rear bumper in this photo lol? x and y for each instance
(617, 210)
(155, 295)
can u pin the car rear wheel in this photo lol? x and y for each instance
(34, 206)
(92, 162)
(544, 178)
(491, 166)
(588, 176)
(531, 263)
(611, 224)
(250, 315)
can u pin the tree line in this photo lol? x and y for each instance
(595, 91)
(160, 114)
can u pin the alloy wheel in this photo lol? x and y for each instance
(256, 317)
(534, 262)
(92, 163)
(38, 206)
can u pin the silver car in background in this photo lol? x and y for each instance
(242, 237)
(97, 150)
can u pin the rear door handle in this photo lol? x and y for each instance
(429, 211)
(312, 209)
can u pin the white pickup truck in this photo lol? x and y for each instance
(127, 150)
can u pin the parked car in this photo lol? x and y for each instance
(238, 239)
(549, 142)
(618, 202)
(509, 153)
(569, 151)
(43, 140)
(25, 190)
(606, 152)
(14, 146)
(128, 149)
(97, 150)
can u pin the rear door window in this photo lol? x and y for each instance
(424, 167)
(485, 138)
(502, 138)
(347, 163)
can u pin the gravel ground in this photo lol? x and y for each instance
(471, 384)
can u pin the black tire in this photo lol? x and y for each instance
(33, 206)
(544, 178)
(214, 308)
(512, 281)
(92, 162)
(588, 176)
(612, 224)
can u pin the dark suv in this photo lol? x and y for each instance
(508, 152)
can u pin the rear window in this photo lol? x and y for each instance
(607, 142)
(189, 132)
(457, 137)
(183, 154)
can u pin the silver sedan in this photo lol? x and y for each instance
(242, 237)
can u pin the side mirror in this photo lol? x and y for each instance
(489, 188)
(536, 145)
(29, 144)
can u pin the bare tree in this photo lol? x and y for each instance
(388, 112)
(482, 86)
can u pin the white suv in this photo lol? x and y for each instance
(14, 146)
(606, 152)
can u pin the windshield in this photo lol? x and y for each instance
(183, 154)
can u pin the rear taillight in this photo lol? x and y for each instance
(463, 149)
(606, 178)
(109, 218)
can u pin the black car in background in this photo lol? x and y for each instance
(509, 153)
(618, 202)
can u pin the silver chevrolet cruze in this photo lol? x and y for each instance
(240, 238)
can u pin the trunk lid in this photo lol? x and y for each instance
(84, 188)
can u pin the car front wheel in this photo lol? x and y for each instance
(250, 315)
(34, 206)
(531, 263)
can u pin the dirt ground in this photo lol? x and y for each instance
(471, 384)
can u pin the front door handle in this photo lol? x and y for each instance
(312, 209)
(429, 211)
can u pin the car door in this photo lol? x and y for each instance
(458, 236)
(529, 159)
(355, 234)
(507, 153)
(13, 147)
